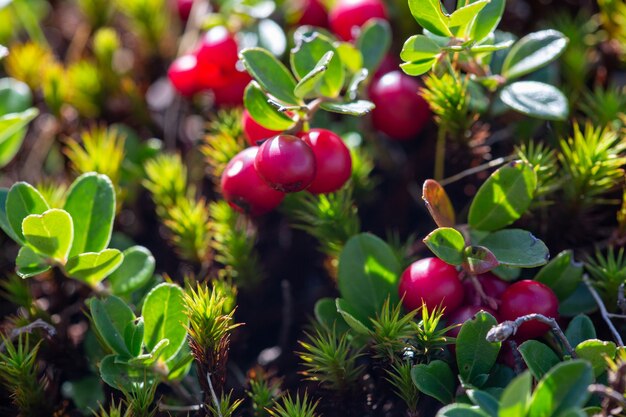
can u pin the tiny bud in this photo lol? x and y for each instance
(502, 331)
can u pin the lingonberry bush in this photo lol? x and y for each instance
(312, 208)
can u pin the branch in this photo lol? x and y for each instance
(37, 324)
(603, 311)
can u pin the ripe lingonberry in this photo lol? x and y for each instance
(183, 74)
(433, 282)
(313, 14)
(528, 297)
(244, 189)
(463, 314)
(254, 131)
(492, 286)
(232, 93)
(400, 111)
(332, 159)
(217, 57)
(347, 16)
(286, 163)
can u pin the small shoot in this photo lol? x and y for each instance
(295, 407)
(392, 330)
(399, 376)
(608, 273)
(263, 391)
(226, 406)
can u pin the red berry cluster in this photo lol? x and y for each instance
(211, 66)
(435, 283)
(256, 179)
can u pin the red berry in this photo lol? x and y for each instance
(254, 131)
(183, 74)
(332, 159)
(400, 111)
(184, 9)
(528, 297)
(313, 14)
(432, 281)
(493, 287)
(244, 189)
(232, 93)
(286, 163)
(349, 15)
(217, 57)
(463, 314)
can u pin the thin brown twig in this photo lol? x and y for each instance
(37, 324)
(603, 310)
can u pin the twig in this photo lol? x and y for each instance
(621, 301)
(37, 324)
(506, 329)
(213, 395)
(475, 170)
(603, 311)
(179, 408)
(607, 392)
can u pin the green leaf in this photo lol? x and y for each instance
(180, 365)
(353, 108)
(353, 87)
(488, 20)
(120, 375)
(447, 244)
(417, 68)
(532, 52)
(49, 234)
(463, 19)
(479, 260)
(435, 379)
(133, 336)
(536, 99)
(12, 131)
(150, 358)
(562, 274)
(438, 204)
(4, 220)
(487, 402)
(597, 352)
(517, 247)
(461, 410)
(308, 86)
(308, 52)
(23, 200)
(111, 317)
(419, 48)
(431, 16)
(350, 56)
(271, 74)
(134, 272)
(516, 397)
(15, 96)
(326, 314)
(538, 357)
(474, 354)
(374, 42)
(262, 111)
(164, 317)
(581, 328)
(564, 387)
(93, 267)
(368, 274)
(581, 301)
(87, 393)
(504, 197)
(478, 49)
(349, 315)
(91, 203)
(29, 263)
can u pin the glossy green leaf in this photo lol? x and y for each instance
(307, 87)
(150, 358)
(4, 220)
(564, 387)
(327, 315)
(419, 48)
(538, 357)
(562, 274)
(164, 317)
(478, 49)
(517, 247)
(461, 410)
(306, 55)
(596, 352)
(417, 68)
(435, 379)
(350, 56)
(120, 375)
(15, 96)
(352, 108)
(374, 43)
(536, 99)
(12, 131)
(532, 52)
(93, 267)
(271, 74)
(581, 328)
(133, 336)
(430, 15)
(447, 244)
(479, 260)
(180, 365)
(474, 354)
(487, 402)
(488, 19)
(504, 197)
(368, 274)
(49, 234)
(91, 203)
(352, 317)
(23, 200)
(438, 204)
(262, 111)
(134, 272)
(111, 317)
(29, 263)
(463, 19)
(580, 302)
(516, 397)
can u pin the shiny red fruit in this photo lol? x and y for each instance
(432, 281)
(347, 16)
(528, 297)
(183, 74)
(217, 57)
(286, 163)
(400, 111)
(463, 314)
(332, 159)
(232, 93)
(244, 189)
(313, 14)
(254, 131)
(493, 287)
(184, 9)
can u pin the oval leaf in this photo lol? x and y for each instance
(516, 397)
(447, 244)
(517, 247)
(438, 204)
(29, 263)
(536, 99)
(597, 352)
(15, 96)
(308, 52)
(270, 73)
(419, 48)
(50, 234)
(111, 316)
(93, 267)
(474, 354)
(488, 19)
(12, 132)
(374, 42)
(562, 274)
(538, 357)
(581, 328)
(479, 260)
(435, 379)
(135, 271)
(23, 200)
(352, 108)
(262, 111)
(430, 15)
(532, 52)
